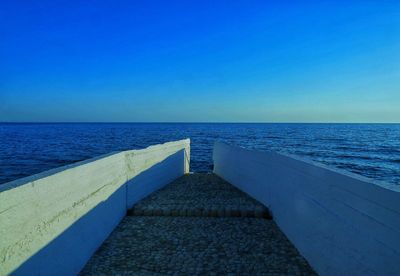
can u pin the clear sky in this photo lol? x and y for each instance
(219, 61)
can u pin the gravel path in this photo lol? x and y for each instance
(197, 245)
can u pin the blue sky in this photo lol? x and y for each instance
(218, 61)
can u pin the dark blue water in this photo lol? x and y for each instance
(371, 150)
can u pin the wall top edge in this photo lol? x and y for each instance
(380, 184)
(25, 180)
(184, 142)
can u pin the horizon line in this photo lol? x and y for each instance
(177, 122)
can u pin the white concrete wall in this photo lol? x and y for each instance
(51, 223)
(341, 223)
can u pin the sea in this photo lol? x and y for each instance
(370, 150)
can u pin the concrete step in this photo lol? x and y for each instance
(200, 195)
(200, 212)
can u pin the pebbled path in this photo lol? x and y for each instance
(201, 244)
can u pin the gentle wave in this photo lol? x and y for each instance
(372, 150)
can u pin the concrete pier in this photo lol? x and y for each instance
(197, 224)
(56, 222)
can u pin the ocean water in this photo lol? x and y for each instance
(371, 150)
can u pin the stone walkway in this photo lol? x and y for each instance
(201, 195)
(157, 240)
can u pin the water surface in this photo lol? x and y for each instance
(371, 150)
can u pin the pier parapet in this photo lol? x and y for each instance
(54, 221)
(342, 223)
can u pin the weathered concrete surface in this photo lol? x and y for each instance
(51, 223)
(159, 245)
(342, 223)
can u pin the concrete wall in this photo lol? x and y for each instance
(341, 223)
(51, 223)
